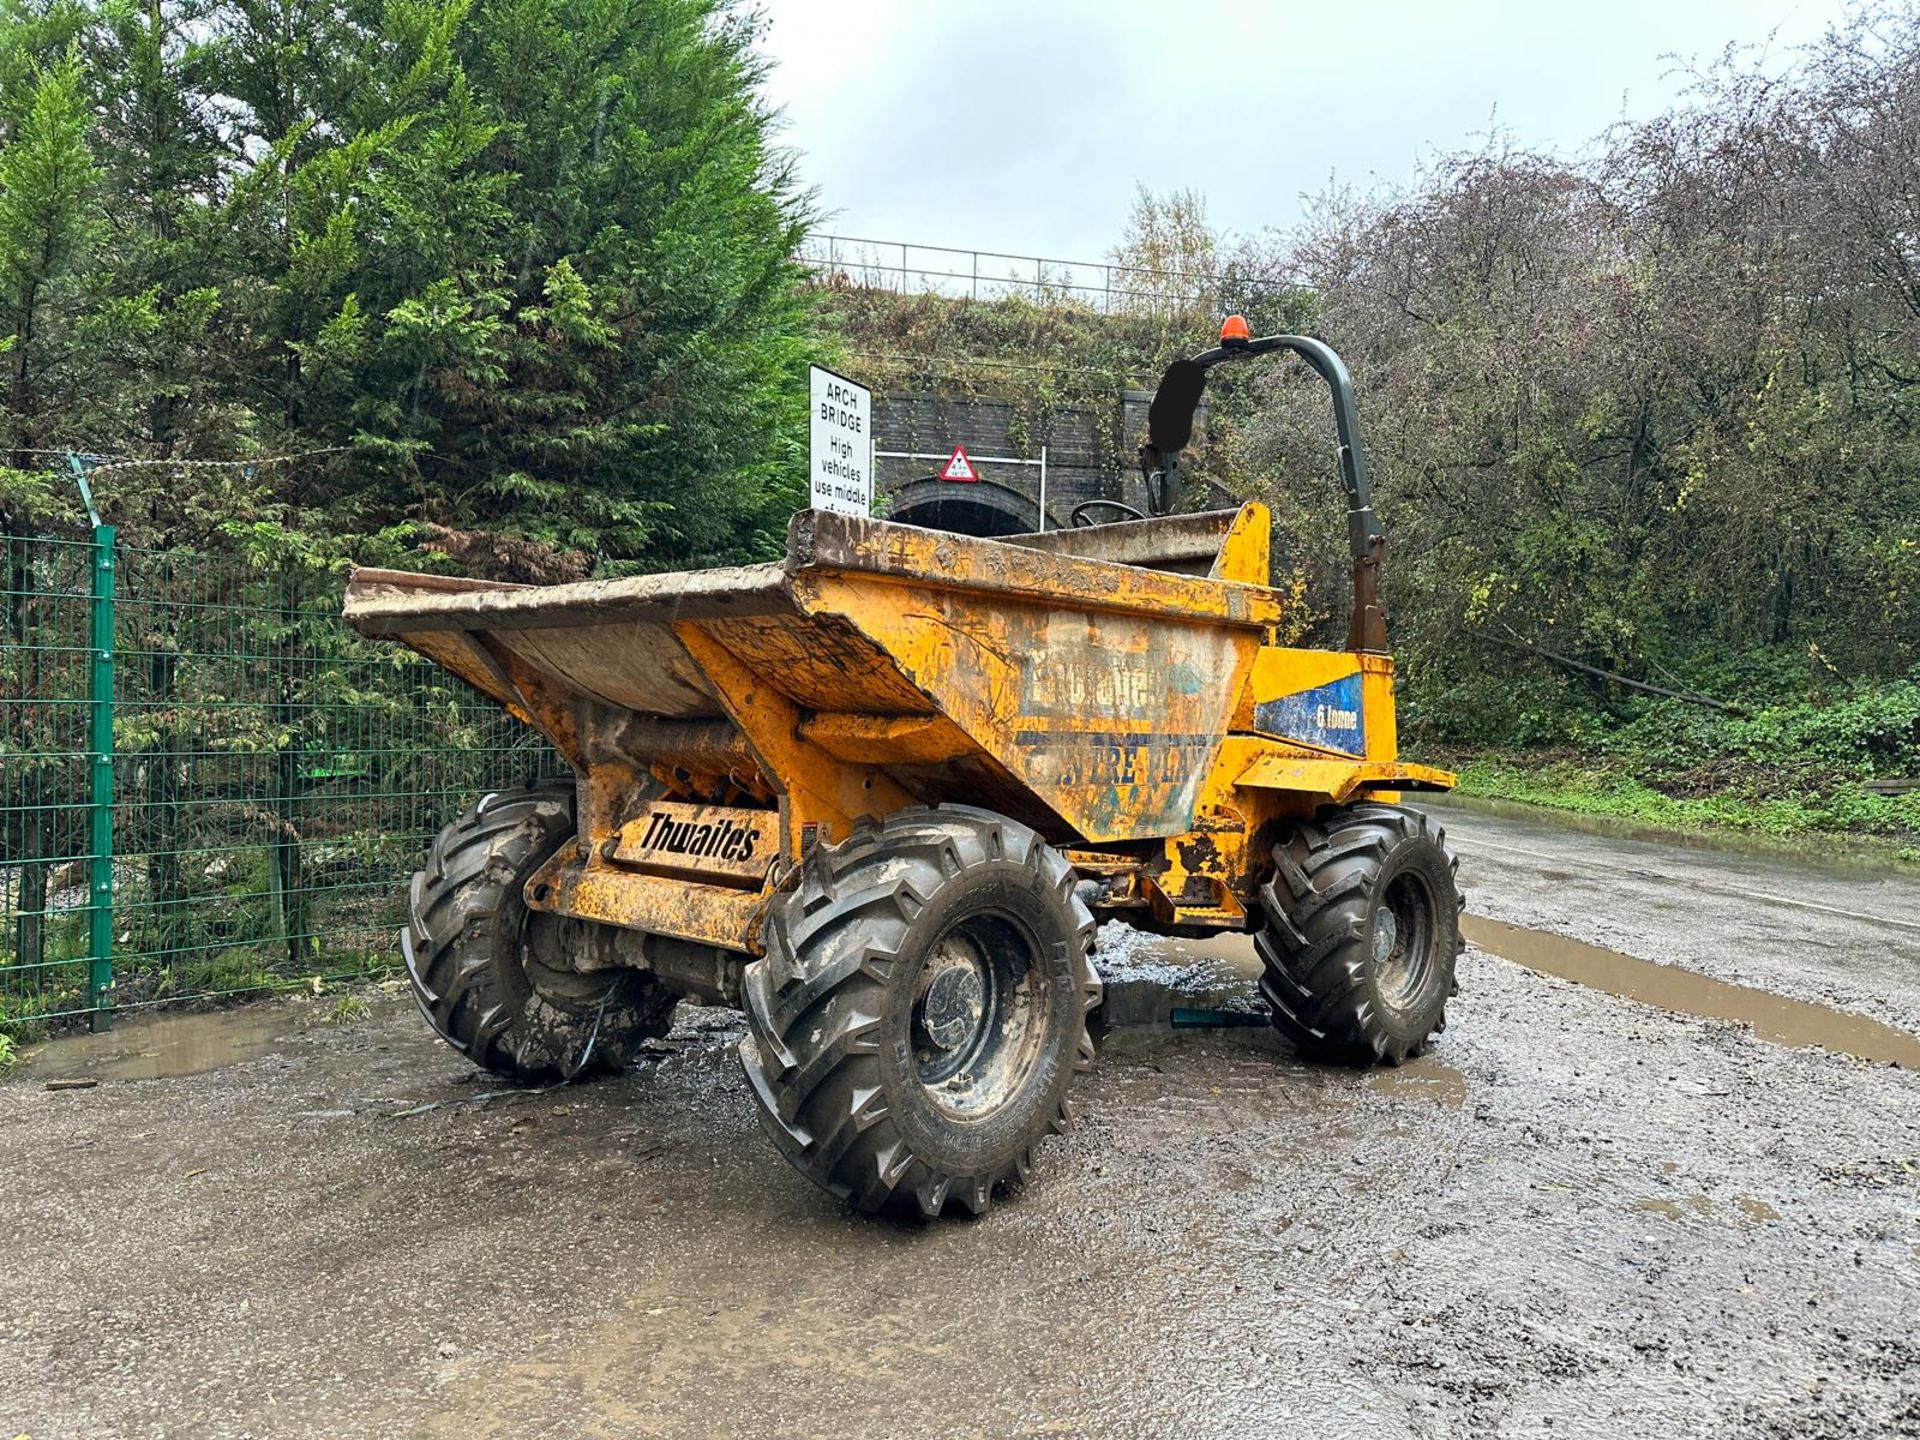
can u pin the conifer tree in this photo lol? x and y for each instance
(513, 273)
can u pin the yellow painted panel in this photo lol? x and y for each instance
(1280, 671)
(1336, 779)
(701, 840)
(1246, 552)
(1111, 718)
(819, 663)
(1383, 730)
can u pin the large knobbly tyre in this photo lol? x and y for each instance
(1360, 931)
(921, 1010)
(491, 975)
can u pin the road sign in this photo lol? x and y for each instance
(959, 467)
(840, 443)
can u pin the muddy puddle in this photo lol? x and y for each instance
(1157, 984)
(155, 1047)
(1422, 1079)
(1686, 992)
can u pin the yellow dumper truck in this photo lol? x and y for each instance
(877, 793)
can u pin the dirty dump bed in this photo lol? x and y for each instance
(1082, 680)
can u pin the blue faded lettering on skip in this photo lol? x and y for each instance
(1327, 715)
(1187, 679)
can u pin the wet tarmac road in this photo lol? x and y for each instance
(1581, 1214)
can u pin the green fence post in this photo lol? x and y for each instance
(100, 799)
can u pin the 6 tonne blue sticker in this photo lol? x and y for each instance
(1327, 715)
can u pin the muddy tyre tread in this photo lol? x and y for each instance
(815, 1004)
(1312, 940)
(462, 946)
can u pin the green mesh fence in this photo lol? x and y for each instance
(273, 778)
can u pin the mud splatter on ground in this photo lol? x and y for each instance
(1581, 1214)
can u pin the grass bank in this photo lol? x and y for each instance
(1789, 753)
(1770, 803)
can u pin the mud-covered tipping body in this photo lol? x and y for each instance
(1111, 688)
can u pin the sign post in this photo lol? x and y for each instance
(840, 436)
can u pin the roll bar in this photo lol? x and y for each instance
(1170, 427)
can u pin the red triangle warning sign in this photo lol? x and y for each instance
(959, 467)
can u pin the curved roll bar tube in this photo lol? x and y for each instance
(1170, 427)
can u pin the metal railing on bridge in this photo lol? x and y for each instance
(992, 275)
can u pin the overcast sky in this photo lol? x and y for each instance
(1024, 127)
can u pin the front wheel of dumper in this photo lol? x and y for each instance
(921, 1010)
(1360, 931)
(496, 980)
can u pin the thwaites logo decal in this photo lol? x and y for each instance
(1328, 715)
(701, 840)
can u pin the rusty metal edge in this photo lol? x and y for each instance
(1172, 538)
(822, 540)
(391, 602)
(382, 605)
(683, 909)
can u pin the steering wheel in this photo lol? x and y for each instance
(1082, 519)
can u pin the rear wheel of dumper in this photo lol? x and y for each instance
(492, 977)
(921, 1010)
(1360, 932)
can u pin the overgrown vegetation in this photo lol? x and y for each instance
(512, 277)
(1784, 769)
(1660, 414)
(1657, 413)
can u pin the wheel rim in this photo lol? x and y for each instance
(981, 1004)
(540, 961)
(1401, 940)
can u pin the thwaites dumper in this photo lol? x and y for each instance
(876, 794)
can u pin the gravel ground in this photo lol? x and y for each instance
(1579, 1215)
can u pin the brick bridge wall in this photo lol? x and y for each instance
(1090, 444)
